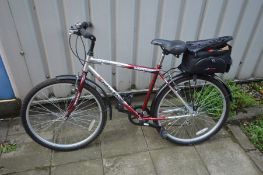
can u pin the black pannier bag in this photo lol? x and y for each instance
(209, 60)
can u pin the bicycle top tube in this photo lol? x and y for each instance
(123, 65)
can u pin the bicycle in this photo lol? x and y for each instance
(68, 112)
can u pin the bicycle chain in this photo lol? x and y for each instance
(134, 120)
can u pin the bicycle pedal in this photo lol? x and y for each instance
(163, 133)
(143, 123)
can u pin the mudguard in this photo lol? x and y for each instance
(182, 75)
(94, 85)
(227, 88)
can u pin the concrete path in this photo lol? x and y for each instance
(125, 149)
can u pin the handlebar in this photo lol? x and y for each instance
(81, 30)
(84, 25)
(87, 35)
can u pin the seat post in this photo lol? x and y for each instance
(161, 60)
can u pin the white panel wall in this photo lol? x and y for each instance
(34, 36)
(10, 48)
(148, 10)
(125, 38)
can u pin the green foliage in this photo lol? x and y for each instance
(258, 86)
(241, 99)
(7, 147)
(254, 130)
(211, 100)
(210, 95)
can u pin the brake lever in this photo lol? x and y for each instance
(75, 28)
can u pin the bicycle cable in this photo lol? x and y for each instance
(76, 49)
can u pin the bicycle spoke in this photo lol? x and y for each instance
(45, 115)
(50, 100)
(207, 103)
(92, 109)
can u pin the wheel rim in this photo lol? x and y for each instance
(45, 116)
(208, 102)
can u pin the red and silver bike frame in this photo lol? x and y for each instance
(154, 71)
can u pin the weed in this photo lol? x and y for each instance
(254, 130)
(241, 99)
(214, 103)
(210, 99)
(7, 147)
(258, 86)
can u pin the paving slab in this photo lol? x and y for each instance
(116, 115)
(90, 167)
(133, 164)
(26, 157)
(120, 137)
(19, 139)
(221, 134)
(128, 149)
(90, 152)
(178, 160)
(44, 171)
(249, 113)
(223, 156)
(154, 140)
(16, 127)
(241, 137)
(257, 157)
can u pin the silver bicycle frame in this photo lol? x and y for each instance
(93, 60)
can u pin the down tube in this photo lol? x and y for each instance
(115, 93)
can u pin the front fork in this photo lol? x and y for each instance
(74, 101)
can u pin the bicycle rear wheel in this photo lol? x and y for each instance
(43, 115)
(206, 96)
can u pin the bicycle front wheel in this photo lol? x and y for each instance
(205, 96)
(43, 115)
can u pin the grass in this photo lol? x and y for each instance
(7, 147)
(241, 99)
(212, 104)
(254, 131)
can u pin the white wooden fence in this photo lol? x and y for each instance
(34, 40)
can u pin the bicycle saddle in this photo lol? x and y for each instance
(195, 46)
(175, 47)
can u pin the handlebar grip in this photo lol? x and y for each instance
(84, 25)
(86, 34)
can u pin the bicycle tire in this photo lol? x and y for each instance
(196, 135)
(51, 90)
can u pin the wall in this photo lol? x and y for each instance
(34, 40)
(6, 91)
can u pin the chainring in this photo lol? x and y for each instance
(133, 119)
